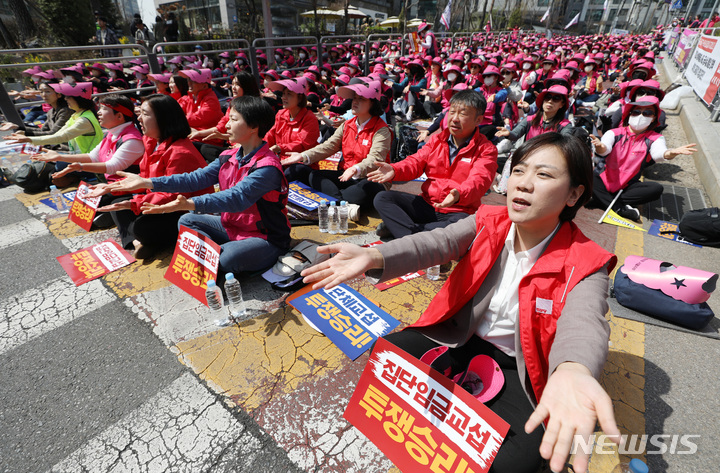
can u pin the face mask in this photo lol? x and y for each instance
(223, 61)
(138, 75)
(606, 55)
(277, 57)
(467, 57)
(173, 68)
(393, 48)
(112, 74)
(594, 51)
(617, 52)
(588, 69)
(527, 66)
(69, 79)
(489, 81)
(640, 122)
(324, 73)
(302, 55)
(452, 76)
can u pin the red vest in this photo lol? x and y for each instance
(569, 257)
(534, 131)
(110, 144)
(356, 146)
(489, 117)
(628, 156)
(266, 218)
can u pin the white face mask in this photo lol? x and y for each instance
(490, 80)
(467, 57)
(452, 76)
(241, 62)
(588, 69)
(527, 66)
(302, 55)
(324, 73)
(617, 52)
(138, 76)
(112, 74)
(640, 122)
(594, 51)
(277, 57)
(69, 79)
(223, 61)
(393, 48)
(172, 67)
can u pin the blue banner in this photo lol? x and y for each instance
(663, 226)
(301, 195)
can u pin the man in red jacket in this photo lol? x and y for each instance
(459, 163)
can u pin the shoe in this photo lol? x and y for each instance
(144, 252)
(103, 220)
(353, 212)
(382, 231)
(629, 212)
(408, 115)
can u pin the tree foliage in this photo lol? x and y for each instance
(69, 25)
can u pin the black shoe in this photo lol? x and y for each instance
(145, 252)
(629, 212)
(103, 220)
(382, 231)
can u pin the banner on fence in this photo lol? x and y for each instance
(703, 72)
(682, 51)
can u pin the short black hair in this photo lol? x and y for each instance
(170, 118)
(470, 98)
(256, 112)
(376, 108)
(577, 157)
(86, 104)
(247, 83)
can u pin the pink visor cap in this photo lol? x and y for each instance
(299, 85)
(80, 89)
(161, 77)
(197, 75)
(144, 69)
(368, 90)
(33, 71)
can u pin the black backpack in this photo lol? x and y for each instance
(701, 227)
(33, 177)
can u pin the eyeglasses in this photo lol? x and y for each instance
(644, 113)
(554, 98)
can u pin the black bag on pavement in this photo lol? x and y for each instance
(33, 177)
(701, 227)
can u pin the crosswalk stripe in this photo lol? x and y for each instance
(20, 232)
(183, 426)
(36, 311)
(7, 193)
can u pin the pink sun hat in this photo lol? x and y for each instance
(47, 75)
(199, 75)
(115, 66)
(80, 89)
(368, 90)
(33, 71)
(161, 77)
(144, 69)
(299, 85)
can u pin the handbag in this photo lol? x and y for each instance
(33, 176)
(675, 294)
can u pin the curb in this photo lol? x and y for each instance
(695, 120)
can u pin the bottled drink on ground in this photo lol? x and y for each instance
(343, 217)
(333, 219)
(235, 297)
(433, 272)
(57, 199)
(635, 466)
(214, 298)
(323, 216)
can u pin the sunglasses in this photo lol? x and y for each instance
(644, 113)
(554, 98)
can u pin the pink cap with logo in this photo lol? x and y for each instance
(299, 85)
(80, 89)
(368, 90)
(199, 75)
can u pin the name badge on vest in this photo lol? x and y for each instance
(465, 160)
(365, 142)
(543, 306)
(295, 130)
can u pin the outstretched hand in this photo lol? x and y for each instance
(177, 205)
(450, 199)
(349, 262)
(572, 402)
(132, 182)
(383, 173)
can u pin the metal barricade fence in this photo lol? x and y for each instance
(331, 41)
(10, 109)
(379, 37)
(270, 44)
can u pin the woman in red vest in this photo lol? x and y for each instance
(364, 140)
(296, 127)
(252, 229)
(627, 151)
(529, 291)
(167, 151)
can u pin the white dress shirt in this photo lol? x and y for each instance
(500, 321)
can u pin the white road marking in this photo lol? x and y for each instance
(21, 232)
(36, 311)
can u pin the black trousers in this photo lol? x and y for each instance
(361, 192)
(519, 452)
(298, 172)
(635, 193)
(155, 231)
(405, 214)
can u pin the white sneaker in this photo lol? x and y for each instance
(408, 115)
(354, 212)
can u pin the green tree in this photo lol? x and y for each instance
(70, 26)
(516, 18)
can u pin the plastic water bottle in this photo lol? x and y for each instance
(234, 294)
(433, 272)
(57, 199)
(323, 216)
(333, 220)
(635, 466)
(343, 217)
(214, 298)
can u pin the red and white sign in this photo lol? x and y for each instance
(421, 420)
(95, 261)
(83, 208)
(394, 282)
(703, 71)
(194, 262)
